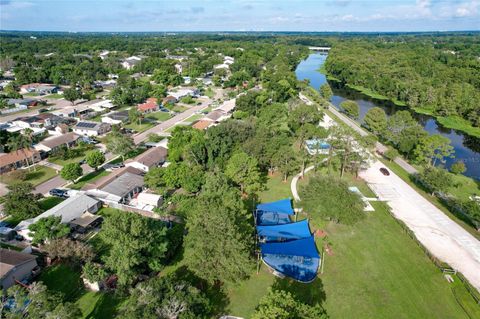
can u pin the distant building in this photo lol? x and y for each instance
(22, 102)
(129, 63)
(169, 100)
(91, 128)
(151, 158)
(151, 105)
(202, 124)
(16, 267)
(183, 93)
(179, 68)
(46, 89)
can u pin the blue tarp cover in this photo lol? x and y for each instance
(281, 206)
(270, 218)
(284, 232)
(296, 259)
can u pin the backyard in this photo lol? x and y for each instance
(92, 304)
(89, 178)
(374, 266)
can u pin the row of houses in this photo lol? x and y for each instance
(39, 88)
(219, 114)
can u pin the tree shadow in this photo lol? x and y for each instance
(106, 307)
(311, 293)
(215, 293)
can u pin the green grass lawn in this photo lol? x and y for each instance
(375, 271)
(49, 202)
(35, 177)
(194, 118)
(159, 116)
(67, 280)
(89, 178)
(54, 96)
(140, 127)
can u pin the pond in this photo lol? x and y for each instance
(467, 148)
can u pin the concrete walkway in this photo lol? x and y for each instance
(293, 184)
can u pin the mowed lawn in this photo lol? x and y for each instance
(375, 271)
(34, 176)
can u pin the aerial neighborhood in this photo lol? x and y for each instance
(231, 175)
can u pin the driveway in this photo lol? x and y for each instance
(437, 232)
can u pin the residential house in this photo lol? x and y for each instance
(91, 128)
(227, 107)
(169, 100)
(101, 105)
(129, 63)
(151, 158)
(179, 68)
(16, 267)
(147, 201)
(46, 89)
(151, 105)
(202, 125)
(120, 186)
(104, 54)
(52, 144)
(28, 102)
(16, 159)
(75, 111)
(115, 117)
(29, 88)
(183, 93)
(39, 121)
(71, 209)
(216, 116)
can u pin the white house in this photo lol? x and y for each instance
(91, 128)
(130, 62)
(151, 158)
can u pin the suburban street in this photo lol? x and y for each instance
(160, 128)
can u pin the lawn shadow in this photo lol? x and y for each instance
(311, 293)
(214, 293)
(35, 175)
(106, 307)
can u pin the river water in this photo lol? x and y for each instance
(467, 148)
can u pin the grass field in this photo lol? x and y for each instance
(194, 118)
(40, 175)
(140, 127)
(49, 202)
(159, 116)
(375, 271)
(67, 280)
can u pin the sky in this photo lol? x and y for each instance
(240, 15)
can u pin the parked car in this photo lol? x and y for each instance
(58, 192)
(384, 171)
(111, 167)
(83, 161)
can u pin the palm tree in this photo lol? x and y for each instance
(28, 133)
(19, 142)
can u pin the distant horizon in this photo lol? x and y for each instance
(240, 15)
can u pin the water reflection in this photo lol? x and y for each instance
(467, 148)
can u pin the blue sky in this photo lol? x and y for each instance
(240, 15)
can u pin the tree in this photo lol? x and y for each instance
(351, 108)
(376, 120)
(137, 245)
(391, 154)
(326, 91)
(280, 304)
(20, 203)
(94, 272)
(135, 115)
(432, 148)
(436, 179)
(243, 170)
(48, 228)
(119, 144)
(43, 303)
(95, 159)
(166, 297)
(303, 114)
(72, 251)
(21, 143)
(190, 178)
(154, 178)
(210, 254)
(71, 172)
(328, 197)
(71, 95)
(286, 161)
(28, 133)
(458, 167)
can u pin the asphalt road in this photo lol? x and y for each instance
(160, 128)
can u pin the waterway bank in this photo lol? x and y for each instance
(467, 148)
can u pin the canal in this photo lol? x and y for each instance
(467, 148)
